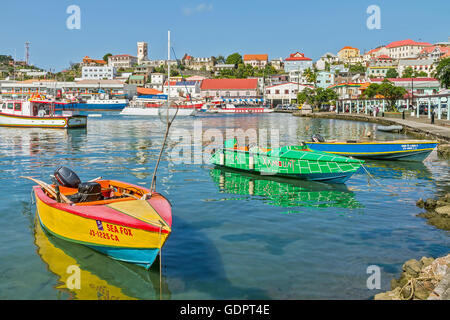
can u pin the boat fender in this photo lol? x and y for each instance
(317, 138)
(66, 177)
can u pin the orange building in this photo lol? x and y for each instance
(256, 60)
(87, 61)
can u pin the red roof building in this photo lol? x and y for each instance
(297, 57)
(229, 88)
(407, 42)
(406, 49)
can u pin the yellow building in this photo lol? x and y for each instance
(347, 53)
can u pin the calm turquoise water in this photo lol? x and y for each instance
(234, 236)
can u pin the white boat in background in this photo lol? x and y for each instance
(37, 114)
(392, 128)
(231, 108)
(145, 107)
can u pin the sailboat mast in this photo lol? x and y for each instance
(168, 69)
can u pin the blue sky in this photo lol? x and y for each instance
(212, 27)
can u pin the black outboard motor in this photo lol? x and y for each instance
(87, 192)
(67, 178)
(317, 138)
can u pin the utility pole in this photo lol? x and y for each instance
(27, 52)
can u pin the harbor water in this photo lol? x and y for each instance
(234, 235)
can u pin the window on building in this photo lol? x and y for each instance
(277, 91)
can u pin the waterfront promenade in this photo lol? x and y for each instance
(421, 126)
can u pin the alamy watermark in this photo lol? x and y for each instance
(374, 20)
(73, 22)
(374, 280)
(197, 146)
(74, 280)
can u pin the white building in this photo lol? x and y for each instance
(425, 65)
(98, 73)
(182, 88)
(156, 81)
(326, 58)
(122, 61)
(256, 60)
(405, 49)
(284, 93)
(297, 62)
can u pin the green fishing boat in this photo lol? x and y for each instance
(284, 192)
(297, 162)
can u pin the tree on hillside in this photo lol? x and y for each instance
(391, 73)
(357, 68)
(234, 58)
(442, 72)
(106, 56)
(220, 59)
(408, 72)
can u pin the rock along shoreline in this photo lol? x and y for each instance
(427, 278)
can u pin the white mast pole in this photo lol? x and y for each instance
(168, 69)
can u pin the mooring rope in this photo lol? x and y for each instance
(387, 188)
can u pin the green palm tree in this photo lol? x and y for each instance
(442, 72)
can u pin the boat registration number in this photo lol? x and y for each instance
(112, 231)
(410, 146)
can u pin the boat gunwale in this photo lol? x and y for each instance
(317, 152)
(103, 216)
(379, 142)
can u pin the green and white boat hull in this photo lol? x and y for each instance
(291, 161)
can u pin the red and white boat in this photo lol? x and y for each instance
(37, 114)
(231, 108)
(149, 107)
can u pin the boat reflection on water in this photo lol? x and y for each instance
(100, 277)
(285, 192)
(404, 170)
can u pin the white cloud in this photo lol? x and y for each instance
(202, 7)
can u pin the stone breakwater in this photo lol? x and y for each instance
(437, 211)
(424, 279)
(427, 278)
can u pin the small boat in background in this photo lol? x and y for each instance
(410, 150)
(297, 162)
(143, 107)
(230, 108)
(37, 113)
(392, 128)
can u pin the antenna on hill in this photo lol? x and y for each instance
(27, 52)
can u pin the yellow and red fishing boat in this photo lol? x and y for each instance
(122, 220)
